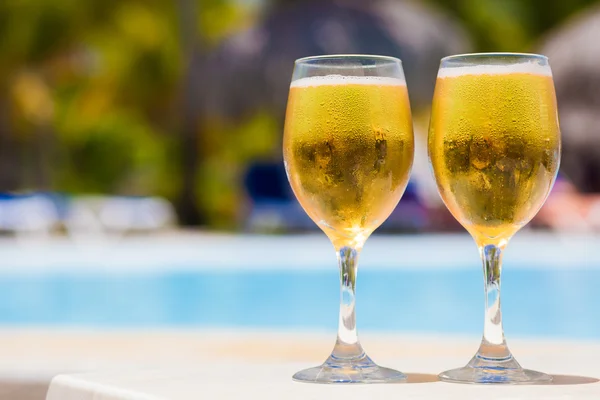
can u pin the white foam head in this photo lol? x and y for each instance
(521, 68)
(347, 80)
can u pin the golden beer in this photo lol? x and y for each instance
(494, 144)
(348, 150)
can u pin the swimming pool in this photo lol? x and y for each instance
(406, 283)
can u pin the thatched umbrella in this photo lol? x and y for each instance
(574, 53)
(253, 69)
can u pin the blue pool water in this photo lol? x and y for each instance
(549, 302)
(552, 303)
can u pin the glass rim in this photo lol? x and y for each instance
(492, 55)
(348, 56)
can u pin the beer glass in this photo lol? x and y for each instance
(348, 150)
(494, 147)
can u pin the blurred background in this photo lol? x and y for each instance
(141, 177)
(123, 116)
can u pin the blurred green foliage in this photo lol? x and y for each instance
(90, 92)
(96, 84)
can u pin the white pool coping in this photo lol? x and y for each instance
(201, 251)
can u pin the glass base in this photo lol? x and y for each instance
(505, 371)
(362, 370)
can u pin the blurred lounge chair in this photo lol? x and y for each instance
(28, 214)
(117, 215)
(273, 206)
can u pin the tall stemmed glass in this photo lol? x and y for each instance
(494, 145)
(348, 150)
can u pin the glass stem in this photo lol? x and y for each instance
(347, 346)
(493, 344)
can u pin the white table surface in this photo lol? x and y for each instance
(273, 382)
(259, 366)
